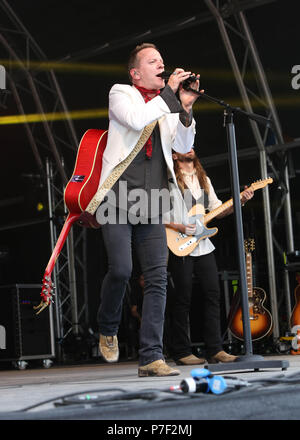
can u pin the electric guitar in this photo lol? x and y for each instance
(78, 193)
(181, 244)
(261, 322)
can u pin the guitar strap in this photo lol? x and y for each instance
(87, 218)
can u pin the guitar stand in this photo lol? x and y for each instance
(249, 361)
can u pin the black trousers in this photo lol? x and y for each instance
(204, 270)
(150, 245)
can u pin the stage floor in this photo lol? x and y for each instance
(20, 389)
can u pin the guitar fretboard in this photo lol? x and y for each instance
(249, 274)
(254, 186)
(215, 212)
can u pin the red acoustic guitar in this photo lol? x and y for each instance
(261, 322)
(78, 193)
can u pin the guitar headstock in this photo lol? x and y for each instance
(46, 294)
(261, 183)
(249, 245)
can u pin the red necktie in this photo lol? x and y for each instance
(145, 93)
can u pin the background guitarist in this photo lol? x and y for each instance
(200, 263)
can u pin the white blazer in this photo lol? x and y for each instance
(128, 115)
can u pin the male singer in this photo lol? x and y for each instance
(131, 108)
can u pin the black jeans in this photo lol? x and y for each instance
(149, 241)
(205, 271)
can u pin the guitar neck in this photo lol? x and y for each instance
(71, 218)
(249, 274)
(217, 211)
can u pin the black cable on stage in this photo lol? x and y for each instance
(53, 399)
(125, 395)
(156, 395)
(153, 395)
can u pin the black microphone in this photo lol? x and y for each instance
(186, 83)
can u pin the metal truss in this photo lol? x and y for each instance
(167, 29)
(230, 18)
(238, 27)
(69, 273)
(54, 146)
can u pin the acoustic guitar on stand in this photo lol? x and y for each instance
(261, 322)
(295, 317)
(78, 193)
(182, 245)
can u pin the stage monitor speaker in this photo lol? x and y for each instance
(23, 334)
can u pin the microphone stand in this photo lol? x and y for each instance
(249, 360)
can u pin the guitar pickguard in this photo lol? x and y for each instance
(183, 244)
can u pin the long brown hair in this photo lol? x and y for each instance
(200, 172)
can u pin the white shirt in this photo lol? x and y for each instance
(205, 246)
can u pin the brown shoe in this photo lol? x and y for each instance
(222, 356)
(109, 349)
(190, 360)
(157, 368)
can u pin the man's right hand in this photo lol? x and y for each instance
(189, 229)
(177, 77)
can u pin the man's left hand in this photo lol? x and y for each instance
(247, 195)
(187, 97)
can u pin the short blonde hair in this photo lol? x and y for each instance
(132, 61)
